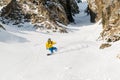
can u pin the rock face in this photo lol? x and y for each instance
(4, 2)
(70, 7)
(105, 45)
(13, 12)
(109, 12)
(42, 13)
(2, 27)
(111, 21)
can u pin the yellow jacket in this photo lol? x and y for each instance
(50, 45)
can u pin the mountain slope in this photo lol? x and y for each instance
(23, 54)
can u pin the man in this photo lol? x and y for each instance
(50, 47)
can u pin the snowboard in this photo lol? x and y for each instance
(51, 54)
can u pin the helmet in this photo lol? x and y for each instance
(49, 39)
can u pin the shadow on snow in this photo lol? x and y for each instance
(11, 38)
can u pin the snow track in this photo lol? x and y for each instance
(73, 47)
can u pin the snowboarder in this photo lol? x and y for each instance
(50, 47)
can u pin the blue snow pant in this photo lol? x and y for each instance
(52, 49)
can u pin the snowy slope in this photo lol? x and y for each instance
(23, 54)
